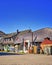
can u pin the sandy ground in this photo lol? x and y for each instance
(28, 59)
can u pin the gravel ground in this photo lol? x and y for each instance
(27, 59)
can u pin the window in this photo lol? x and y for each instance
(9, 39)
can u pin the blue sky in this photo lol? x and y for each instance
(25, 14)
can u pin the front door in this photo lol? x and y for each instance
(26, 45)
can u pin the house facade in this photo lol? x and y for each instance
(46, 46)
(17, 41)
(9, 42)
(1, 40)
(23, 40)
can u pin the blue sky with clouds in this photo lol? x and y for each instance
(25, 14)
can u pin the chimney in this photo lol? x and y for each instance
(47, 38)
(17, 31)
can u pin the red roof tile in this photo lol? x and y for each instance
(46, 41)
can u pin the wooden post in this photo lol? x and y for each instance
(32, 37)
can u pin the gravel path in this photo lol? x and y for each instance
(28, 59)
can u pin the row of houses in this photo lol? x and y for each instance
(23, 40)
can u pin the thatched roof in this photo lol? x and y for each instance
(10, 35)
(15, 33)
(38, 35)
(1, 36)
(42, 33)
(2, 33)
(23, 32)
(26, 35)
